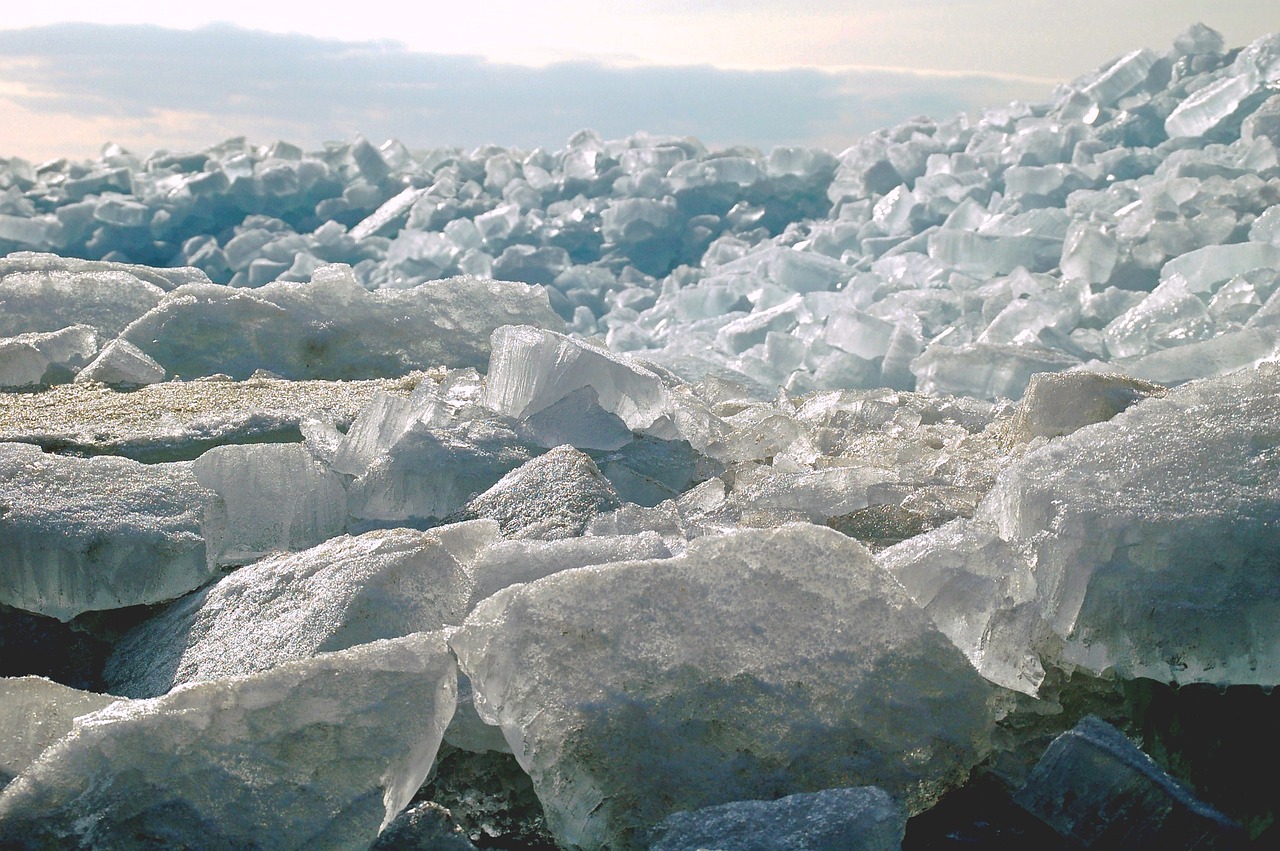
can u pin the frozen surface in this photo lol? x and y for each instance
(181, 419)
(755, 665)
(35, 713)
(348, 591)
(319, 753)
(42, 292)
(82, 534)
(858, 819)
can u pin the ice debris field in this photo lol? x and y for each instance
(641, 495)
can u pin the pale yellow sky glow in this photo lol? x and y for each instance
(942, 54)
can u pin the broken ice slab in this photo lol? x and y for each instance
(274, 498)
(550, 497)
(53, 357)
(1219, 355)
(741, 334)
(332, 327)
(812, 495)
(178, 420)
(994, 254)
(345, 592)
(635, 690)
(1089, 253)
(85, 534)
(980, 592)
(317, 753)
(532, 369)
(1153, 534)
(1059, 403)
(1125, 74)
(35, 713)
(862, 818)
(1205, 267)
(40, 292)
(431, 471)
(1095, 788)
(122, 364)
(1212, 106)
(383, 217)
(985, 370)
(1172, 315)
(42, 233)
(1263, 122)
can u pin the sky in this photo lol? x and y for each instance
(76, 75)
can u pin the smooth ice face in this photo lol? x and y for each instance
(348, 591)
(862, 818)
(981, 593)
(757, 664)
(84, 534)
(274, 497)
(1057, 404)
(35, 713)
(122, 364)
(319, 753)
(1153, 535)
(532, 369)
(1086, 772)
(332, 327)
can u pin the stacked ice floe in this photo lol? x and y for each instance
(641, 478)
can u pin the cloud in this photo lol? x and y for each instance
(149, 83)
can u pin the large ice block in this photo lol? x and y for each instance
(551, 497)
(51, 357)
(318, 753)
(1095, 788)
(274, 498)
(84, 534)
(332, 327)
(1153, 534)
(41, 292)
(757, 664)
(35, 713)
(347, 591)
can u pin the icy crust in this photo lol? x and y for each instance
(331, 327)
(81, 534)
(1153, 535)
(862, 818)
(181, 419)
(43, 292)
(756, 664)
(345, 592)
(35, 713)
(319, 753)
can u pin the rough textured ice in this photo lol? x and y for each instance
(332, 327)
(274, 498)
(1059, 403)
(35, 713)
(1095, 788)
(53, 357)
(319, 753)
(863, 818)
(1153, 534)
(553, 496)
(423, 827)
(181, 419)
(345, 592)
(82, 534)
(757, 664)
(42, 292)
